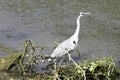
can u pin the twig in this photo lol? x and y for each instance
(55, 71)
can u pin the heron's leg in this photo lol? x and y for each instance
(69, 56)
(54, 63)
(61, 61)
(78, 50)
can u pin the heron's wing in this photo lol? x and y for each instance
(59, 51)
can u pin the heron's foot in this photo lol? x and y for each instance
(78, 51)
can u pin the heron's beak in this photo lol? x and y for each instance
(87, 13)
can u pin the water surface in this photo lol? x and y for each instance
(47, 21)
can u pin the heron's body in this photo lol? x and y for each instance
(63, 48)
(69, 44)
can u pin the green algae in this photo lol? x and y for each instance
(7, 61)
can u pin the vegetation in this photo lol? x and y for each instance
(21, 65)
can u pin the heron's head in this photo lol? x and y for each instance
(83, 13)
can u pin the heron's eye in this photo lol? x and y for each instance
(83, 13)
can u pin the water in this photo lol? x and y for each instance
(47, 21)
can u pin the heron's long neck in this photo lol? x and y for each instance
(76, 34)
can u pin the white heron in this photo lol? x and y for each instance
(69, 44)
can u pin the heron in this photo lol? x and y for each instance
(69, 44)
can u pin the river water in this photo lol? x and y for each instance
(47, 21)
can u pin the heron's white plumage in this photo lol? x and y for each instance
(70, 43)
(63, 48)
